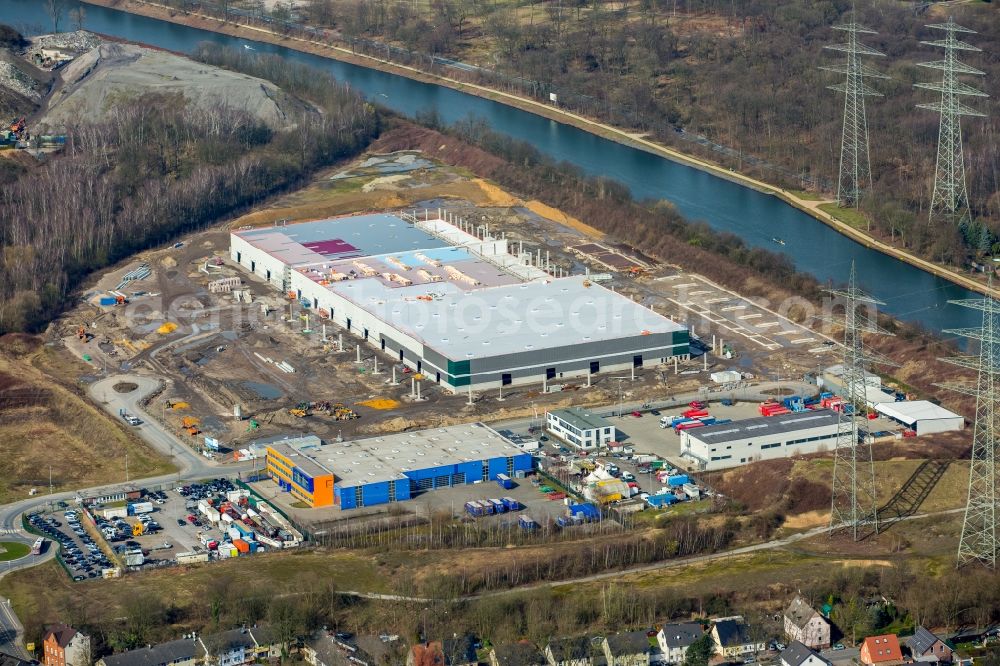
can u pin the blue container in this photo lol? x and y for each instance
(107, 300)
(678, 480)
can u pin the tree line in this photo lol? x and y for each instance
(152, 168)
(744, 75)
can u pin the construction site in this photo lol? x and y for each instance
(241, 359)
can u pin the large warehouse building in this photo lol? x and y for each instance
(456, 306)
(738, 443)
(391, 468)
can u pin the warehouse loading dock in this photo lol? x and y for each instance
(922, 416)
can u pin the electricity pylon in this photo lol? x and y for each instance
(950, 198)
(855, 164)
(979, 529)
(854, 503)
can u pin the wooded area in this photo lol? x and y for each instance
(154, 169)
(742, 74)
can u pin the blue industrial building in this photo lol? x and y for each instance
(397, 467)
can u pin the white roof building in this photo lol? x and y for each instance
(923, 416)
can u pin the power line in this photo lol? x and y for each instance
(950, 198)
(979, 528)
(855, 163)
(854, 503)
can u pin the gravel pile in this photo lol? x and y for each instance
(73, 42)
(14, 79)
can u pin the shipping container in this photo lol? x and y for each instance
(504, 481)
(234, 533)
(678, 480)
(511, 503)
(525, 522)
(691, 413)
(241, 545)
(498, 506)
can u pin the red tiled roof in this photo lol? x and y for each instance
(880, 649)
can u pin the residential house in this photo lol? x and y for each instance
(798, 654)
(577, 651)
(732, 638)
(675, 639)
(65, 646)
(266, 643)
(804, 624)
(426, 654)
(182, 652)
(925, 646)
(460, 651)
(229, 648)
(628, 649)
(881, 651)
(517, 654)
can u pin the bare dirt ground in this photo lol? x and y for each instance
(40, 415)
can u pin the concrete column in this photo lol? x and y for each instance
(358, 348)
(413, 387)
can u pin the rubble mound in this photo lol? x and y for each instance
(89, 86)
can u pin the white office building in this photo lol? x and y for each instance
(580, 428)
(738, 443)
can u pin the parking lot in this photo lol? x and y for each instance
(78, 551)
(172, 526)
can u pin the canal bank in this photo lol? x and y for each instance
(807, 206)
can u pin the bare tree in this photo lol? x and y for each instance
(56, 9)
(77, 17)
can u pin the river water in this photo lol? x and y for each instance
(910, 294)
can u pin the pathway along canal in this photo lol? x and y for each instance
(909, 293)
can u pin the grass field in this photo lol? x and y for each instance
(12, 550)
(847, 215)
(43, 593)
(47, 424)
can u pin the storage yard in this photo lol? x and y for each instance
(145, 528)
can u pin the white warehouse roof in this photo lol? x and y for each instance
(911, 411)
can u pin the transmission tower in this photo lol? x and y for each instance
(855, 165)
(854, 503)
(979, 529)
(950, 199)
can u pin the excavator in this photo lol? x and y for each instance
(83, 334)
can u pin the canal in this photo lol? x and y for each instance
(909, 293)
